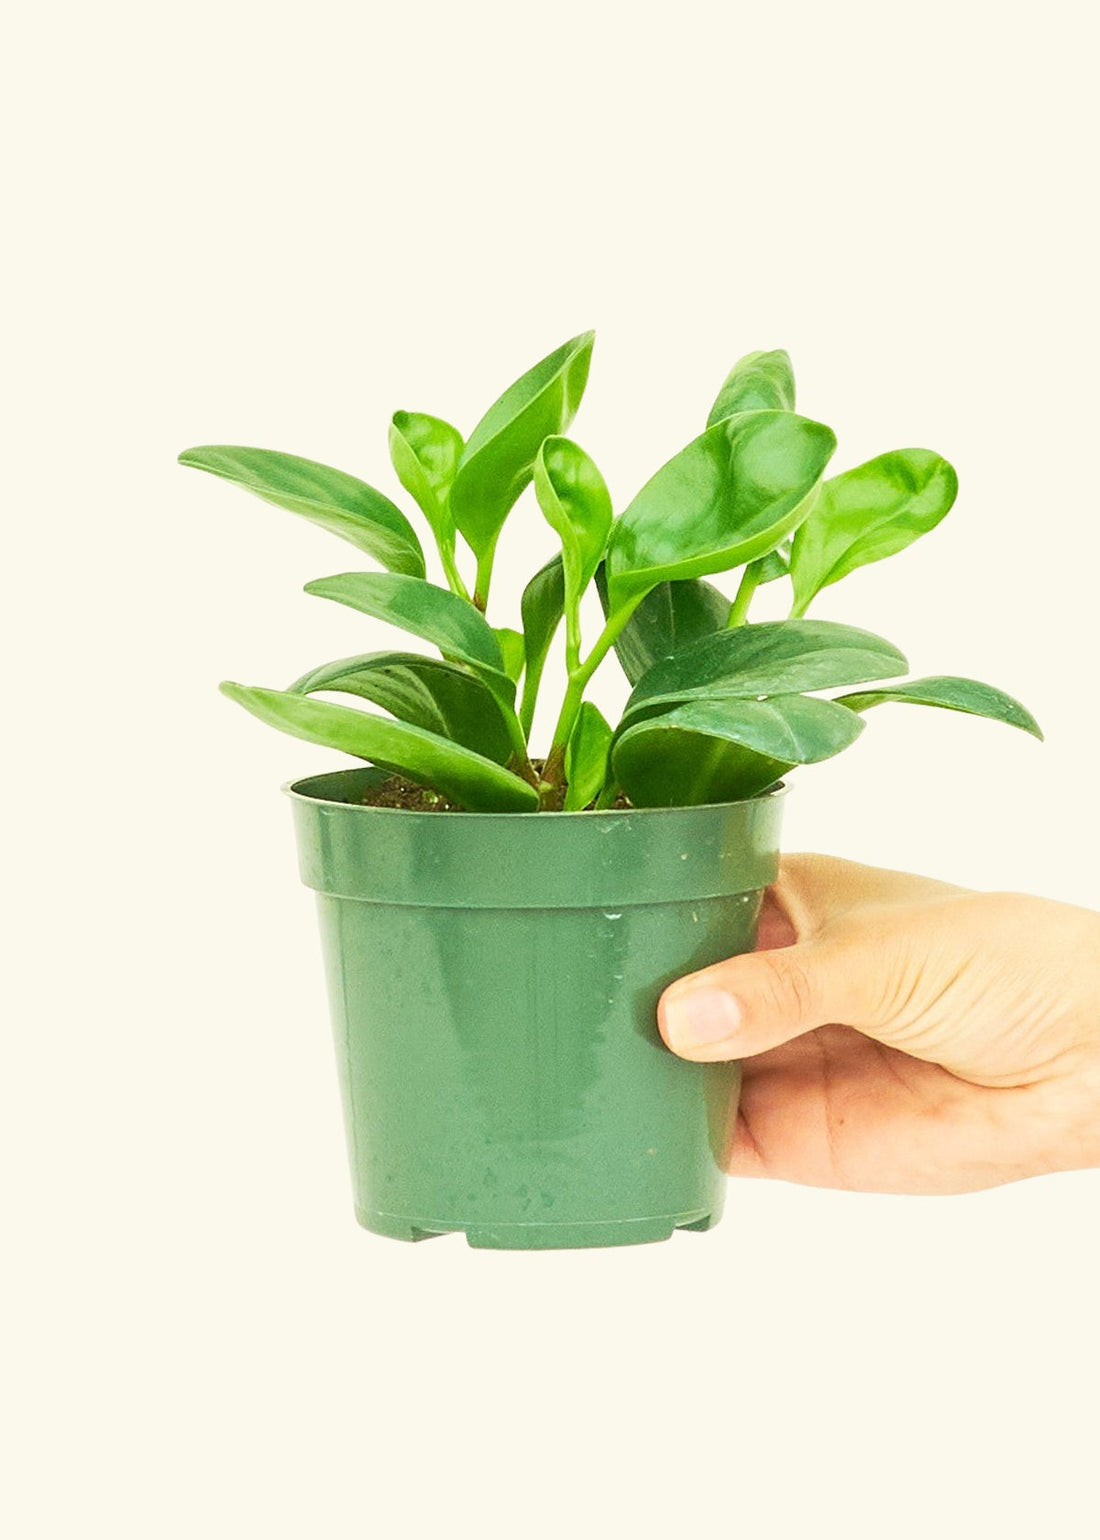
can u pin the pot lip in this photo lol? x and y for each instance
(294, 790)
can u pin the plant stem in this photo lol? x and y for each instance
(739, 610)
(532, 677)
(567, 718)
(578, 681)
(484, 577)
(572, 634)
(519, 745)
(450, 567)
(606, 797)
(551, 795)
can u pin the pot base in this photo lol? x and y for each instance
(541, 1237)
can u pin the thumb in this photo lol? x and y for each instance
(755, 1002)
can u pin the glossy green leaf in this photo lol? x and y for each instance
(332, 499)
(577, 505)
(586, 758)
(467, 778)
(425, 452)
(441, 697)
(499, 457)
(729, 497)
(513, 650)
(437, 616)
(669, 618)
(691, 769)
(955, 694)
(720, 751)
(542, 607)
(868, 513)
(780, 657)
(758, 382)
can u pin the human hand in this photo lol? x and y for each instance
(968, 1046)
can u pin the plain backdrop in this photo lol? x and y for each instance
(274, 224)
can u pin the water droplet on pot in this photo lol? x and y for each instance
(609, 914)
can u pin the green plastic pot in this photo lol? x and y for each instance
(493, 981)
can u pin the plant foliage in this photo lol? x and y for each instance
(719, 707)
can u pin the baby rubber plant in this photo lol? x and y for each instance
(719, 708)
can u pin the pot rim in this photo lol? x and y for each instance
(608, 860)
(295, 790)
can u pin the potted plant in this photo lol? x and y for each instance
(493, 977)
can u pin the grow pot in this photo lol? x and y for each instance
(493, 981)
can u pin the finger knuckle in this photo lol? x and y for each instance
(786, 987)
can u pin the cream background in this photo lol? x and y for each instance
(274, 224)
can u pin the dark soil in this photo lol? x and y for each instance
(396, 791)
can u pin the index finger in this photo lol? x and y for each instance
(813, 891)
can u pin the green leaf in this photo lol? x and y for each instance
(670, 617)
(336, 501)
(425, 452)
(729, 497)
(776, 564)
(586, 758)
(577, 505)
(757, 382)
(469, 779)
(437, 616)
(868, 513)
(498, 460)
(955, 694)
(723, 751)
(441, 697)
(541, 607)
(511, 645)
(775, 658)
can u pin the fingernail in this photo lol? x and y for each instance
(700, 1017)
